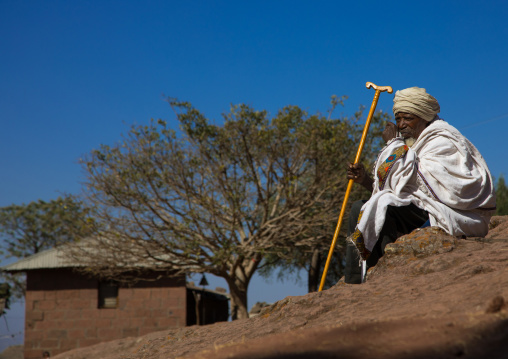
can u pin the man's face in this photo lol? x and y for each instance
(410, 126)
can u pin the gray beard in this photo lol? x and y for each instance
(410, 141)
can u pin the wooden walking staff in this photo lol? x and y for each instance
(378, 89)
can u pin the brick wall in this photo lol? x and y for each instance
(62, 311)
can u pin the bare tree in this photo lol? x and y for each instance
(217, 198)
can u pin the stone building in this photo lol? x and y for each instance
(65, 309)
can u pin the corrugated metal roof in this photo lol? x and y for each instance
(51, 258)
(59, 257)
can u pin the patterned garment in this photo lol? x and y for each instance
(384, 170)
(357, 239)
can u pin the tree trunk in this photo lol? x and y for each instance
(238, 281)
(238, 302)
(313, 273)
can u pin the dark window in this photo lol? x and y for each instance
(108, 295)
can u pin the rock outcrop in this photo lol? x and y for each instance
(430, 296)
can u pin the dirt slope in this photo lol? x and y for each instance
(431, 296)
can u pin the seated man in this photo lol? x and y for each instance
(427, 172)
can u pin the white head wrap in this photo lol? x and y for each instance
(416, 101)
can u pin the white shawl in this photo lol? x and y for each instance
(442, 173)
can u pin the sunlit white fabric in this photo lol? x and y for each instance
(442, 173)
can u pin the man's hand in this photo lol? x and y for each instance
(390, 132)
(357, 173)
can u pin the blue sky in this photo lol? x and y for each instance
(76, 74)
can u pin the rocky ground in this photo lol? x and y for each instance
(431, 296)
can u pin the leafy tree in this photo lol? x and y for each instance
(501, 197)
(217, 198)
(29, 229)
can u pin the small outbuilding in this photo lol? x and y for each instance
(66, 309)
